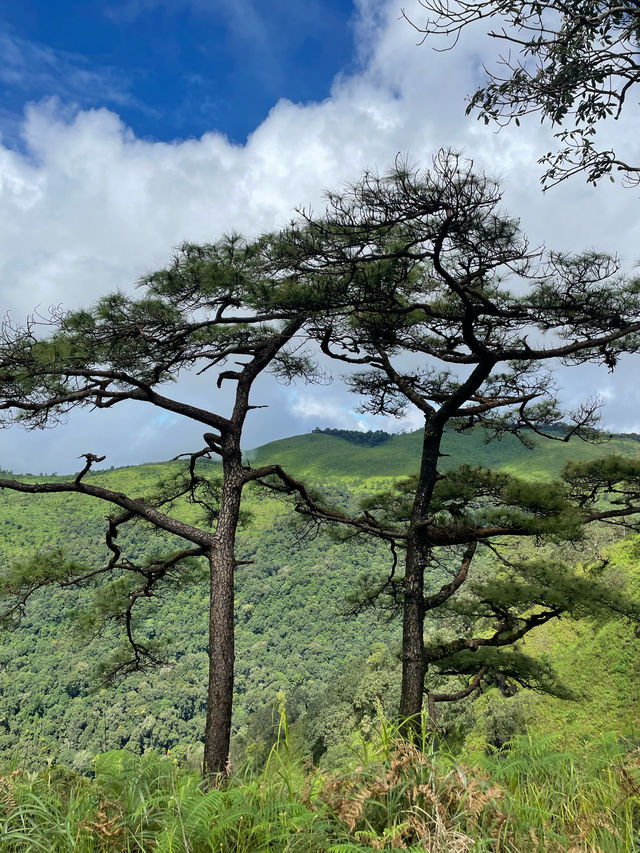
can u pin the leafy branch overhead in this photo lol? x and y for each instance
(125, 348)
(574, 63)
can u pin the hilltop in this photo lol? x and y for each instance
(321, 454)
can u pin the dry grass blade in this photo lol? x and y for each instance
(409, 801)
(7, 793)
(104, 826)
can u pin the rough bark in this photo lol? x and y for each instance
(413, 658)
(221, 661)
(222, 562)
(413, 665)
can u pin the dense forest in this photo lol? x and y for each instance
(295, 635)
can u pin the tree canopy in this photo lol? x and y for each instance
(427, 291)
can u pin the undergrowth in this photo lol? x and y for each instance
(393, 795)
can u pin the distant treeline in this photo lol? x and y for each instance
(603, 434)
(373, 437)
(366, 439)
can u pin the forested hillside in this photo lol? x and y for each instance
(294, 634)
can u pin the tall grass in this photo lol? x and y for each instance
(393, 794)
(566, 801)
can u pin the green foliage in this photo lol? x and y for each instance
(150, 804)
(318, 456)
(22, 578)
(479, 497)
(561, 798)
(475, 618)
(291, 631)
(554, 584)
(508, 667)
(571, 63)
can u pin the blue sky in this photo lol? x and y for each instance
(173, 68)
(130, 126)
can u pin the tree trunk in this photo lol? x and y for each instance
(414, 667)
(222, 562)
(413, 662)
(221, 660)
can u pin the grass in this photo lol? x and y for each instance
(391, 795)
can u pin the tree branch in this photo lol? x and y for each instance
(136, 506)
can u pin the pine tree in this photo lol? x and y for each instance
(209, 311)
(436, 302)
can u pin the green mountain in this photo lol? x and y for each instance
(320, 455)
(292, 631)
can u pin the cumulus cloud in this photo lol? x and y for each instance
(86, 207)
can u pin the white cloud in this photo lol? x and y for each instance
(334, 408)
(87, 207)
(328, 411)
